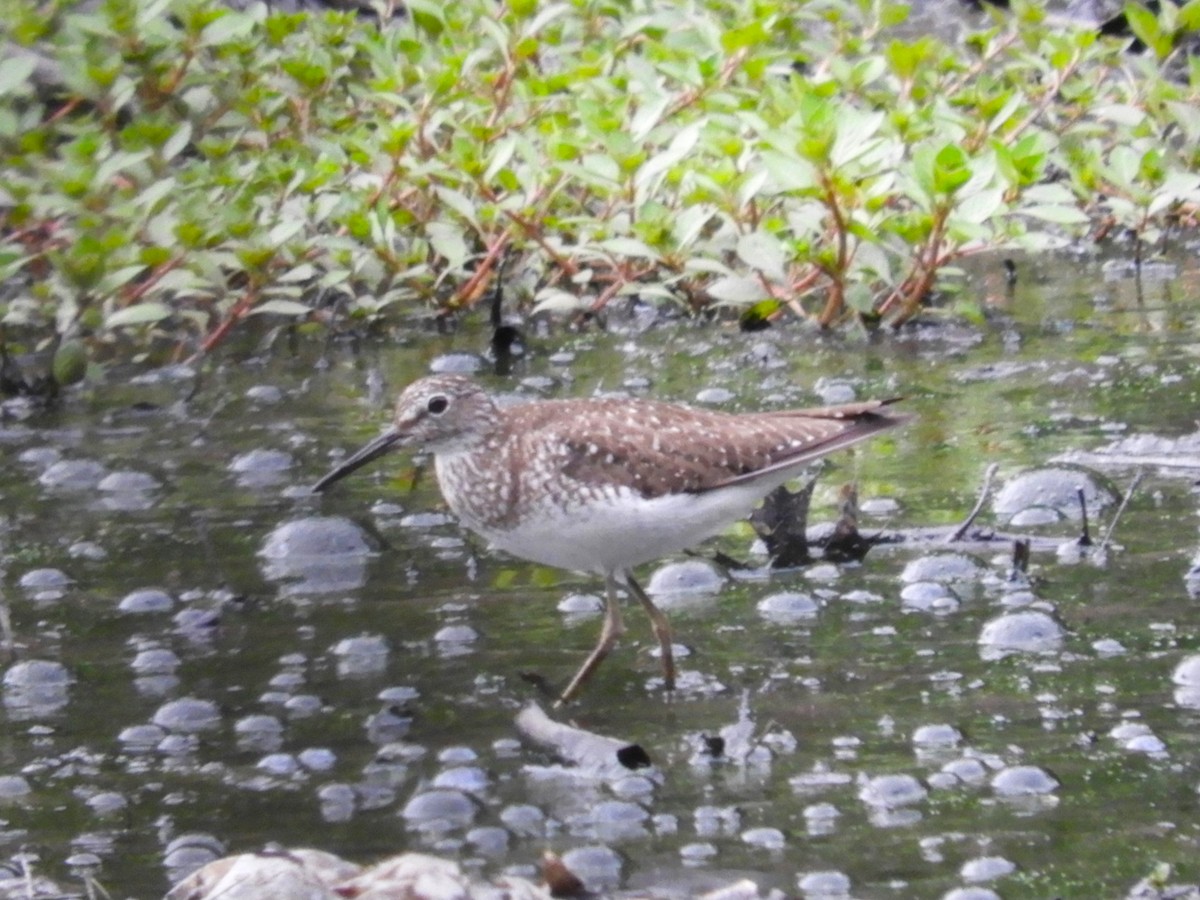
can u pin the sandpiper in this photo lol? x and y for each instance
(604, 484)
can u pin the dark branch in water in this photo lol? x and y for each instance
(782, 523)
(1085, 537)
(846, 544)
(1020, 559)
(958, 533)
(598, 754)
(1137, 479)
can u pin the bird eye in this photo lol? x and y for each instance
(437, 405)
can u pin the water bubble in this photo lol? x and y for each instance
(362, 656)
(788, 607)
(524, 819)
(1028, 631)
(489, 840)
(45, 580)
(146, 600)
(689, 577)
(73, 474)
(971, 893)
(1021, 781)
(891, 791)
(468, 779)
(1053, 489)
(188, 715)
(987, 868)
(258, 733)
(764, 838)
(929, 597)
(456, 364)
(831, 885)
(697, 853)
(942, 567)
(260, 467)
(14, 787)
(439, 810)
(316, 555)
(932, 736)
(36, 688)
(599, 867)
(279, 764)
(317, 759)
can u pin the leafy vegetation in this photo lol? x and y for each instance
(173, 167)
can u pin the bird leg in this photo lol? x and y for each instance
(662, 630)
(612, 629)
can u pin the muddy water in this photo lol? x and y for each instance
(179, 689)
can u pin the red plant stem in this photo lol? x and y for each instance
(473, 289)
(244, 304)
(156, 275)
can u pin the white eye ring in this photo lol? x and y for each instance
(438, 405)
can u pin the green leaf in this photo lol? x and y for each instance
(550, 299)
(428, 15)
(227, 28)
(856, 130)
(681, 145)
(860, 298)
(177, 142)
(758, 316)
(69, 365)
(15, 72)
(1187, 115)
(447, 241)
(764, 252)
(704, 264)
(648, 115)
(118, 162)
(689, 224)
(630, 247)
(1057, 215)
(790, 173)
(457, 201)
(501, 156)
(1052, 193)
(1006, 112)
(1120, 113)
(284, 231)
(1189, 16)
(547, 15)
(737, 290)
(139, 314)
(1124, 164)
(297, 274)
(981, 206)
(1145, 26)
(114, 280)
(951, 169)
(280, 308)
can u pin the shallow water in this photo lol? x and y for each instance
(325, 698)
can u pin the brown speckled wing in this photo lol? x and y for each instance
(659, 448)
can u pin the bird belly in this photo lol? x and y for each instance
(620, 530)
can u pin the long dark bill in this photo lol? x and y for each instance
(372, 451)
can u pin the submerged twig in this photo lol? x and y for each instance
(1137, 479)
(846, 544)
(782, 523)
(961, 530)
(7, 641)
(1085, 537)
(597, 753)
(1020, 559)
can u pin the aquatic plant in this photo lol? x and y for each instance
(174, 167)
